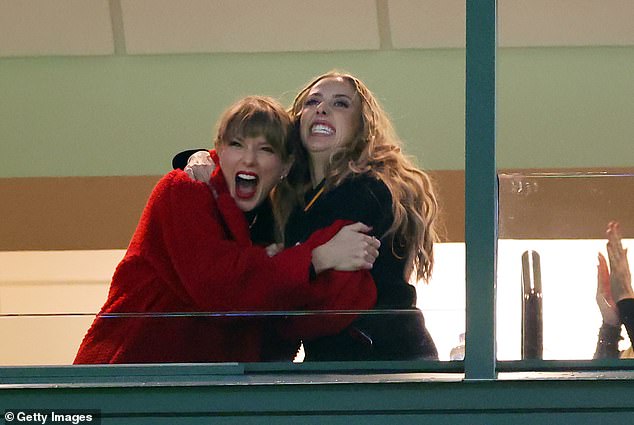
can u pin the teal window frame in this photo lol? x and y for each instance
(481, 234)
(481, 195)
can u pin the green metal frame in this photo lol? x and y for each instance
(480, 189)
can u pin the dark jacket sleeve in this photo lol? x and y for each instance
(608, 342)
(626, 313)
(609, 336)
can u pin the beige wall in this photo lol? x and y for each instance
(48, 300)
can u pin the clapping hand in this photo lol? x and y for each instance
(605, 302)
(620, 277)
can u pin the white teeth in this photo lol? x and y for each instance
(321, 129)
(246, 176)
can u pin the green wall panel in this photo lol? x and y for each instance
(127, 115)
(565, 107)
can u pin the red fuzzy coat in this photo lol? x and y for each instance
(191, 252)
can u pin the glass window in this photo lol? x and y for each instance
(60, 256)
(564, 105)
(88, 138)
(552, 227)
(563, 147)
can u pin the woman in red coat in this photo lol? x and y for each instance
(192, 281)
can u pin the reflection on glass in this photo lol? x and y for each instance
(54, 338)
(48, 300)
(563, 217)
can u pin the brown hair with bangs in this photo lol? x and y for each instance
(256, 116)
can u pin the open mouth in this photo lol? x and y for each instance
(322, 129)
(246, 185)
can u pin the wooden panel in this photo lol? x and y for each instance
(441, 24)
(78, 27)
(450, 191)
(166, 26)
(427, 23)
(71, 212)
(65, 213)
(55, 27)
(566, 23)
(571, 206)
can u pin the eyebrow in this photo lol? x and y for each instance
(335, 96)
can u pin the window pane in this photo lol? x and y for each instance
(49, 301)
(563, 219)
(86, 139)
(564, 155)
(443, 301)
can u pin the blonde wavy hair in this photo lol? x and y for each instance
(376, 150)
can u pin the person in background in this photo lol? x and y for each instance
(193, 253)
(615, 297)
(350, 166)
